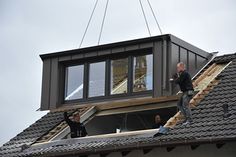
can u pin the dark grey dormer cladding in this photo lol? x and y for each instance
(121, 70)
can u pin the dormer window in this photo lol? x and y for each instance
(103, 74)
(119, 76)
(97, 79)
(74, 80)
(109, 78)
(142, 73)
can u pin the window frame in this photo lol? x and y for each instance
(62, 82)
(146, 91)
(83, 70)
(109, 78)
(107, 93)
(88, 71)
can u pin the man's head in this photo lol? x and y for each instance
(180, 67)
(76, 117)
(157, 119)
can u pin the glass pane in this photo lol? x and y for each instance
(119, 76)
(143, 73)
(97, 79)
(74, 82)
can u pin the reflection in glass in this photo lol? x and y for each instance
(119, 76)
(142, 73)
(97, 79)
(74, 82)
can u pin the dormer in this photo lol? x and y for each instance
(119, 71)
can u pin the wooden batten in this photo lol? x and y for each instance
(119, 103)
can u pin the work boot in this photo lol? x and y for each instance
(187, 122)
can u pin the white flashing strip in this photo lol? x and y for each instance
(139, 133)
(74, 92)
(124, 134)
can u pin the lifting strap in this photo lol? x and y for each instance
(104, 18)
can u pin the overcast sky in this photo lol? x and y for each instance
(32, 27)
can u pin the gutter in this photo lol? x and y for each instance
(159, 144)
(139, 146)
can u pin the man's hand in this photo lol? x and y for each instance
(175, 76)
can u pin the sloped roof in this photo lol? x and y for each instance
(211, 124)
(225, 58)
(33, 133)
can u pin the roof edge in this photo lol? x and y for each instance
(105, 46)
(179, 41)
(140, 145)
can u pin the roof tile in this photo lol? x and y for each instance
(208, 116)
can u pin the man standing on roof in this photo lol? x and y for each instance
(77, 129)
(183, 79)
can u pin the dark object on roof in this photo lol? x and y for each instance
(226, 110)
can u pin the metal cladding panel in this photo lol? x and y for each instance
(132, 47)
(54, 90)
(164, 64)
(184, 56)
(200, 60)
(117, 49)
(77, 56)
(64, 58)
(192, 62)
(45, 93)
(174, 57)
(91, 54)
(104, 52)
(181, 54)
(157, 69)
(146, 45)
(189, 47)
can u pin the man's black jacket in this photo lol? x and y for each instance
(184, 81)
(77, 129)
